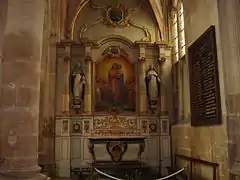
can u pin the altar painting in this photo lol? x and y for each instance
(115, 85)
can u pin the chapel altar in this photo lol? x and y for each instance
(105, 106)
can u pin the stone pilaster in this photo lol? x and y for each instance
(181, 89)
(162, 101)
(88, 75)
(165, 67)
(20, 90)
(229, 20)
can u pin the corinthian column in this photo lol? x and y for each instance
(229, 20)
(66, 72)
(20, 90)
(141, 80)
(88, 86)
(65, 104)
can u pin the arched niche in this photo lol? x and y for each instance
(123, 43)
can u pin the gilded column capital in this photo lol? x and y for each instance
(88, 59)
(88, 44)
(162, 60)
(66, 58)
(141, 59)
(163, 44)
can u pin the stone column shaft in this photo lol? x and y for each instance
(143, 107)
(229, 20)
(162, 100)
(88, 86)
(20, 90)
(61, 78)
(66, 66)
(66, 85)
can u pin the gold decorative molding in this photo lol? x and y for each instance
(87, 26)
(162, 60)
(94, 6)
(72, 26)
(106, 20)
(118, 38)
(88, 58)
(115, 51)
(112, 19)
(115, 122)
(164, 43)
(141, 59)
(101, 42)
(123, 22)
(148, 37)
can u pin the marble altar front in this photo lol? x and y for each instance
(116, 149)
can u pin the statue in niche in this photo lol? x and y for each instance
(152, 81)
(77, 86)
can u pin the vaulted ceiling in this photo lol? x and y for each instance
(159, 7)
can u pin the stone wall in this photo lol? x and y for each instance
(20, 88)
(206, 143)
(47, 91)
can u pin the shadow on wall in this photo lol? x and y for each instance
(3, 16)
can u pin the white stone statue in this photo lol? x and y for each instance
(152, 81)
(78, 85)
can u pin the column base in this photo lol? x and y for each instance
(37, 177)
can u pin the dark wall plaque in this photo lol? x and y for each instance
(204, 80)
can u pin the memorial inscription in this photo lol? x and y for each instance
(204, 80)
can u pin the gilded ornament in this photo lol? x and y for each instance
(116, 15)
